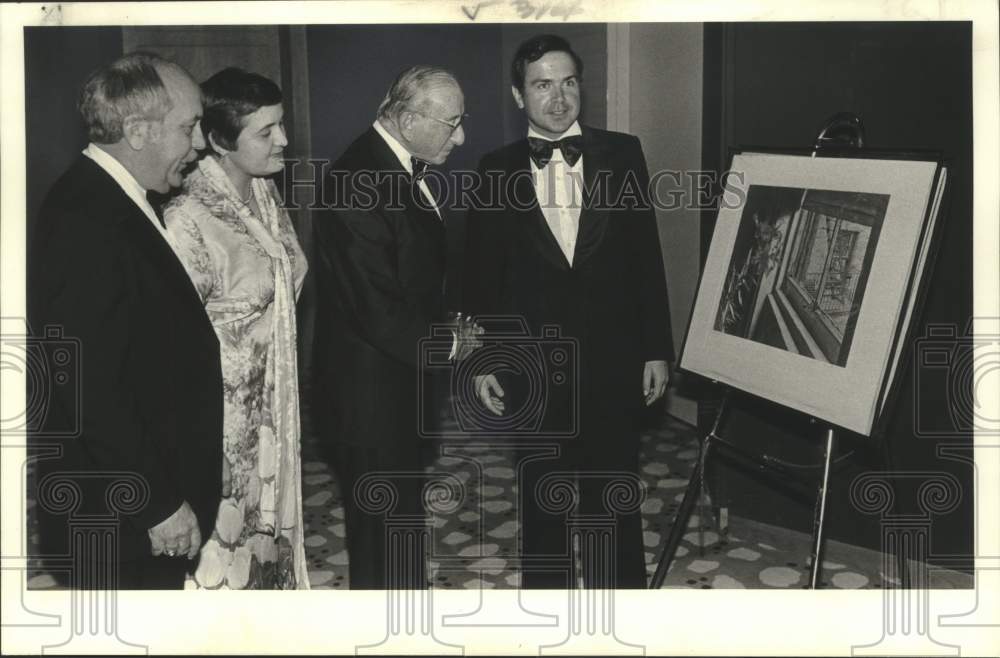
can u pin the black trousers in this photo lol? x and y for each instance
(103, 552)
(156, 572)
(387, 534)
(579, 485)
(589, 495)
(143, 573)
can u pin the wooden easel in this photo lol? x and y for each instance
(842, 131)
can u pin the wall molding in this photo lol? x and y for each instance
(619, 71)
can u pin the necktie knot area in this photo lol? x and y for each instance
(156, 200)
(419, 168)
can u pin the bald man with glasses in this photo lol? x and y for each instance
(380, 267)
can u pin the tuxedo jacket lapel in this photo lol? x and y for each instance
(158, 251)
(417, 207)
(526, 200)
(386, 162)
(143, 234)
(594, 213)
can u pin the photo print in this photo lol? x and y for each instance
(799, 269)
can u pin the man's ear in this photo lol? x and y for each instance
(518, 98)
(405, 122)
(137, 132)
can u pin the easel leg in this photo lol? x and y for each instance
(902, 564)
(819, 518)
(703, 510)
(691, 496)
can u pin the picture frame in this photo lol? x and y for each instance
(812, 279)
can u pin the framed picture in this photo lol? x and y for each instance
(811, 280)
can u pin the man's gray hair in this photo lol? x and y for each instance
(128, 86)
(410, 88)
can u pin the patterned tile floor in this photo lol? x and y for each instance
(474, 543)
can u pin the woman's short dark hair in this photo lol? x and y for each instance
(534, 49)
(228, 98)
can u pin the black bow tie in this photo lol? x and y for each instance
(155, 200)
(419, 168)
(541, 149)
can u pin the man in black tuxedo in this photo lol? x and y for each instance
(572, 243)
(149, 394)
(380, 266)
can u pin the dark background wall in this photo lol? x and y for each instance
(57, 61)
(665, 65)
(775, 85)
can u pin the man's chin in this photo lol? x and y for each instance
(562, 124)
(554, 127)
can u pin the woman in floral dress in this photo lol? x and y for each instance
(238, 245)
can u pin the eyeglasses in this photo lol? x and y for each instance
(454, 126)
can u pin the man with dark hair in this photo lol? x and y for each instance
(534, 49)
(148, 450)
(583, 256)
(380, 265)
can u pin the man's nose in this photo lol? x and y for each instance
(197, 138)
(458, 137)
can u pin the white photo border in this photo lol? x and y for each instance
(662, 622)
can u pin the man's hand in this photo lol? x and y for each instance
(654, 380)
(490, 393)
(177, 535)
(227, 478)
(467, 337)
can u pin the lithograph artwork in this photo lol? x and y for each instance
(799, 269)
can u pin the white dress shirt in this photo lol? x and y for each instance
(558, 187)
(404, 159)
(126, 181)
